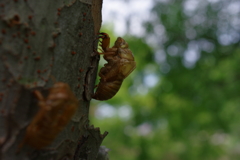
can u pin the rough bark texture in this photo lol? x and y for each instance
(40, 40)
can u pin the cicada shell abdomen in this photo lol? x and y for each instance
(107, 90)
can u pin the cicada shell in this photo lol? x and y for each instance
(120, 64)
(54, 114)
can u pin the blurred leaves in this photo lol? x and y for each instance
(184, 93)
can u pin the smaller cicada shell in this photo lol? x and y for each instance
(120, 64)
(54, 114)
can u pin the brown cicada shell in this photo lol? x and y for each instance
(120, 64)
(54, 114)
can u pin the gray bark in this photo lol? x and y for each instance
(40, 40)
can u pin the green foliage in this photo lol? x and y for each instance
(191, 113)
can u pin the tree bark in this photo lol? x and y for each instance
(41, 43)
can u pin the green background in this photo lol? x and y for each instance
(182, 101)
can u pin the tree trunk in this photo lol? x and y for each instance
(41, 43)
